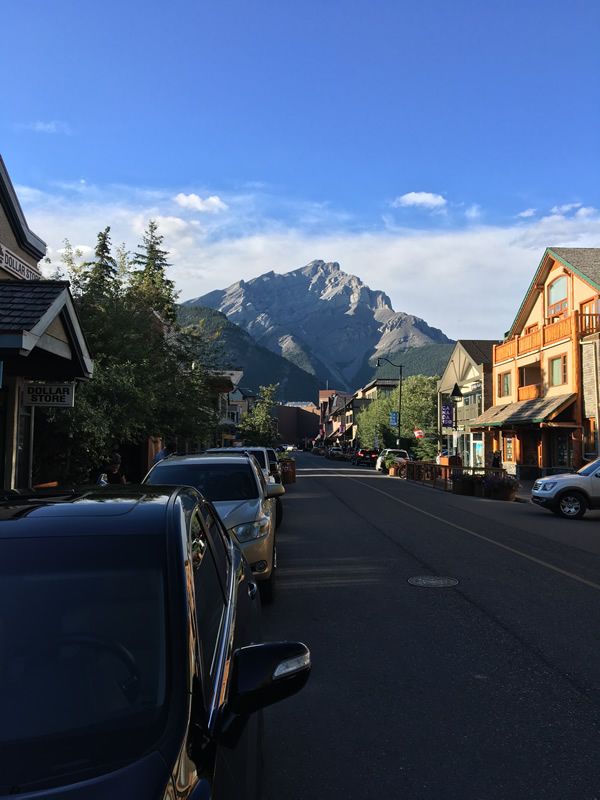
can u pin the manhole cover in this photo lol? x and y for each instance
(432, 581)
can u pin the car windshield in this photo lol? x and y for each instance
(215, 481)
(589, 469)
(83, 666)
(259, 455)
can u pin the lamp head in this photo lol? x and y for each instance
(456, 394)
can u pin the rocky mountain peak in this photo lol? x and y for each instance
(324, 320)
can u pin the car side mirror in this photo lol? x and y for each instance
(264, 674)
(275, 490)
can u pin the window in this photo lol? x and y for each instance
(504, 384)
(557, 370)
(557, 297)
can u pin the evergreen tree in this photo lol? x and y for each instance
(149, 282)
(99, 277)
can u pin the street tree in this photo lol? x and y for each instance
(148, 280)
(259, 426)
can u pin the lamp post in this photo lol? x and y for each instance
(456, 396)
(399, 367)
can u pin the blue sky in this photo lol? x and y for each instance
(408, 141)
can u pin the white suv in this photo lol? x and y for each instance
(399, 454)
(569, 495)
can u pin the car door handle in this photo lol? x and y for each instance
(252, 589)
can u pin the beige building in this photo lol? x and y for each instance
(544, 416)
(43, 352)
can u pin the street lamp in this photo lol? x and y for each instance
(399, 367)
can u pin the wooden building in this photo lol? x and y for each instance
(544, 417)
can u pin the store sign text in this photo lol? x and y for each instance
(49, 394)
(13, 264)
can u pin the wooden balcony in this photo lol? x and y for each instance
(530, 392)
(589, 323)
(553, 332)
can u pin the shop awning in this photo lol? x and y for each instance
(527, 412)
(40, 334)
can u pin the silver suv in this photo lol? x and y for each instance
(569, 495)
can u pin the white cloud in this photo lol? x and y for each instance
(469, 281)
(211, 205)
(529, 212)
(54, 126)
(564, 209)
(473, 212)
(586, 211)
(420, 200)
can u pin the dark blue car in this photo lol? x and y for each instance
(129, 658)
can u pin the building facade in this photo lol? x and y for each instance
(469, 370)
(43, 351)
(544, 417)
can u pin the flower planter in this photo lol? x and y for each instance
(463, 487)
(501, 493)
(478, 490)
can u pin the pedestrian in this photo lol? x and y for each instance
(497, 459)
(112, 471)
(164, 451)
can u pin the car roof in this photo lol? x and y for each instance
(98, 510)
(221, 457)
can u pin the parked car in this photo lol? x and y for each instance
(365, 456)
(401, 455)
(569, 495)
(274, 466)
(335, 452)
(130, 656)
(244, 501)
(260, 454)
(318, 450)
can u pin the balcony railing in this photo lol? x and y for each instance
(589, 323)
(530, 392)
(553, 332)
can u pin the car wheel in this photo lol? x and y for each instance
(572, 505)
(278, 512)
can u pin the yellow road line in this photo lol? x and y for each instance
(480, 536)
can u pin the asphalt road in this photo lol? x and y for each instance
(489, 690)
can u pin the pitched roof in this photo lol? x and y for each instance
(523, 413)
(24, 303)
(585, 260)
(28, 240)
(480, 350)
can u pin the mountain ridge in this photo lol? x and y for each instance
(322, 319)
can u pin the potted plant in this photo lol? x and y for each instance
(463, 484)
(500, 487)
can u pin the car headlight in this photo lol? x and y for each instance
(547, 487)
(251, 530)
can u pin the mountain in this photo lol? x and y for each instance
(237, 349)
(321, 319)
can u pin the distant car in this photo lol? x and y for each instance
(318, 450)
(400, 455)
(365, 456)
(244, 501)
(130, 643)
(335, 452)
(569, 495)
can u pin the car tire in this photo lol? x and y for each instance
(572, 505)
(267, 588)
(278, 512)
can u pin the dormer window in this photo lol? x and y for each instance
(557, 297)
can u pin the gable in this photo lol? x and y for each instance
(554, 263)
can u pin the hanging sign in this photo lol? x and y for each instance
(394, 419)
(10, 262)
(61, 395)
(447, 415)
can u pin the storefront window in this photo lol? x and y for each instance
(562, 451)
(509, 448)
